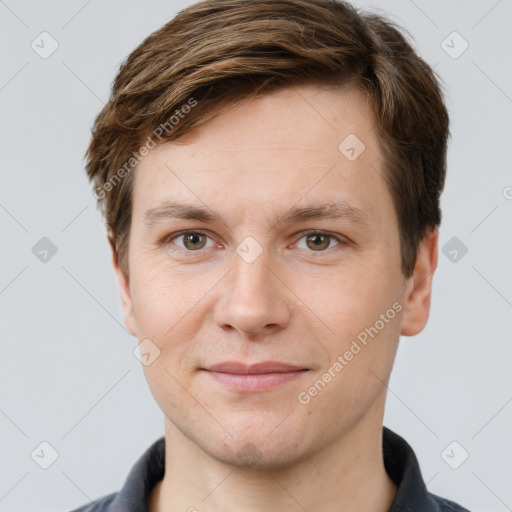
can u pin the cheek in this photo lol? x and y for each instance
(169, 310)
(361, 359)
(361, 308)
(169, 388)
(161, 298)
(153, 303)
(349, 298)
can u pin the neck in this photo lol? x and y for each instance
(349, 473)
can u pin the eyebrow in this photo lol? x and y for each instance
(177, 210)
(169, 210)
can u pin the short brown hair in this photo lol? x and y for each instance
(215, 53)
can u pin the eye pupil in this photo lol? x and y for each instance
(318, 241)
(194, 241)
(315, 241)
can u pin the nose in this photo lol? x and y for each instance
(253, 299)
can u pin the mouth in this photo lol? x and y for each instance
(256, 377)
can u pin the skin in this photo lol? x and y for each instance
(293, 303)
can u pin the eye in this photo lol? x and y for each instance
(192, 240)
(318, 241)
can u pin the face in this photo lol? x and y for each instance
(268, 235)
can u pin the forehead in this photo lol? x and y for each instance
(312, 117)
(273, 150)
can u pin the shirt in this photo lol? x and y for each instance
(399, 460)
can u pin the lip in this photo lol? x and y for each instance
(256, 377)
(238, 368)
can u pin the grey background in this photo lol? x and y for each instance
(68, 374)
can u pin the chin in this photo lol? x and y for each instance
(257, 447)
(249, 456)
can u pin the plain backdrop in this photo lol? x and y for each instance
(68, 375)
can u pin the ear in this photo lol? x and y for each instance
(419, 286)
(124, 287)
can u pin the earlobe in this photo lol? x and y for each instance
(419, 286)
(124, 288)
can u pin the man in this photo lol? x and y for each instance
(270, 175)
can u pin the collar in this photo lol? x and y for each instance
(400, 463)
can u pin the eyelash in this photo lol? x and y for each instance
(173, 236)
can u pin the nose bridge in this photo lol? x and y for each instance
(251, 278)
(251, 301)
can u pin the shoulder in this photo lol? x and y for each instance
(136, 490)
(444, 505)
(99, 505)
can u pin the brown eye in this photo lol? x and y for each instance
(194, 241)
(318, 242)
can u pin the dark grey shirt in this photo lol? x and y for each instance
(399, 460)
